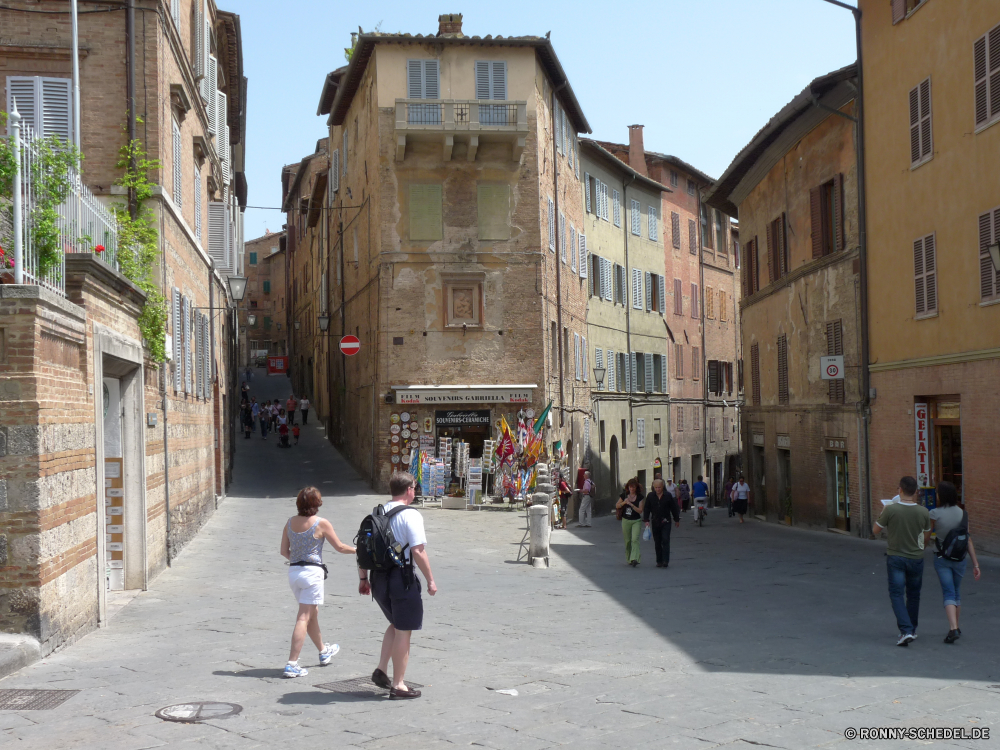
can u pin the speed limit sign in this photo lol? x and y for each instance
(832, 368)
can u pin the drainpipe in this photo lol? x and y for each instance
(701, 324)
(555, 222)
(628, 308)
(77, 138)
(133, 203)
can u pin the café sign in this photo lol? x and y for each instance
(471, 394)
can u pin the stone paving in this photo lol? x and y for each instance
(756, 635)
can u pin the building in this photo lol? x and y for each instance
(455, 212)
(111, 461)
(931, 155)
(794, 187)
(623, 235)
(702, 320)
(264, 261)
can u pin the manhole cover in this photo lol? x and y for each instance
(360, 686)
(190, 713)
(33, 700)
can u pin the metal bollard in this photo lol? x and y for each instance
(538, 532)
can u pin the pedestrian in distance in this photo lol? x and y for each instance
(274, 409)
(684, 495)
(397, 590)
(302, 541)
(565, 492)
(671, 489)
(304, 408)
(290, 405)
(700, 492)
(740, 496)
(659, 509)
(265, 420)
(247, 423)
(727, 495)
(295, 434)
(908, 526)
(950, 523)
(629, 510)
(587, 492)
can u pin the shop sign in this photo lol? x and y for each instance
(464, 395)
(836, 444)
(920, 416)
(784, 441)
(277, 365)
(479, 418)
(758, 438)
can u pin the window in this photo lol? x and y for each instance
(586, 361)
(620, 285)
(636, 219)
(691, 187)
(583, 255)
(723, 306)
(989, 234)
(921, 136)
(562, 237)
(680, 419)
(197, 202)
(573, 249)
(425, 212)
(696, 418)
(463, 302)
(986, 65)
(695, 363)
(640, 432)
(834, 347)
(750, 275)
(636, 289)
(253, 259)
(695, 308)
(610, 378)
(675, 229)
(678, 361)
(335, 171)
(178, 193)
(624, 373)
(423, 82)
(576, 356)
(653, 225)
(826, 208)
(602, 431)
(552, 226)
(706, 230)
(709, 303)
(624, 434)
(554, 348)
(782, 370)
(491, 83)
(343, 165)
(720, 232)
(692, 237)
(678, 298)
(715, 369)
(903, 8)
(659, 373)
(725, 428)
(587, 191)
(755, 374)
(493, 210)
(711, 429)
(673, 183)
(657, 289)
(617, 208)
(267, 287)
(44, 103)
(925, 275)
(566, 351)
(777, 248)
(656, 431)
(267, 323)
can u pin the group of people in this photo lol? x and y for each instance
(270, 416)
(397, 590)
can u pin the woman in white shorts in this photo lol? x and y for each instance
(302, 545)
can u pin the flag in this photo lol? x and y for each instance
(522, 432)
(541, 419)
(505, 445)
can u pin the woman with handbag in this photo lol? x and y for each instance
(629, 510)
(949, 516)
(659, 508)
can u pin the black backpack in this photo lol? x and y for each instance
(376, 545)
(956, 545)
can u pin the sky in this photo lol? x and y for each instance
(702, 76)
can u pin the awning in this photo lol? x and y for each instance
(464, 394)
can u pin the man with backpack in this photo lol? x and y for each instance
(908, 526)
(390, 541)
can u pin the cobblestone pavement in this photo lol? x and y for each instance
(756, 635)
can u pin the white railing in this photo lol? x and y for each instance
(84, 224)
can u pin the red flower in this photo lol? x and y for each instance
(98, 248)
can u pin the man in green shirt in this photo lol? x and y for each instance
(908, 527)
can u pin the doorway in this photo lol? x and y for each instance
(947, 458)
(759, 504)
(613, 461)
(676, 470)
(838, 503)
(785, 483)
(717, 484)
(696, 467)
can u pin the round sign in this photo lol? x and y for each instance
(395, 438)
(191, 713)
(414, 444)
(350, 345)
(405, 433)
(405, 457)
(395, 459)
(530, 413)
(395, 449)
(394, 418)
(413, 427)
(405, 416)
(832, 371)
(394, 429)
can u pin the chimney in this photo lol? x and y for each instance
(450, 24)
(636, 151)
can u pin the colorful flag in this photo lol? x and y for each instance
(540, 422)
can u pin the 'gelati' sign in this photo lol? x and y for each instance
(478, 418)
(923, 451)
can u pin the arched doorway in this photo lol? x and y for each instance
(613, 460)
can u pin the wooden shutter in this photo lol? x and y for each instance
(925, 275)
(586, 189)
(695, 362)
(206, 333)
(745, 270)
(755, 374)
(663, 374)
(425, 212)
(782, 369)
(562, 237)
(692, 237)
(640, 433)
(680, 419)
(755, 266)
(576, 356)
(675, 229)
(709, 303)
(989, 277)
(678, 360)
(178, 194)
(483, 88)
(636, 289)
(610, 379)
(175, 13)
(662, 289)
(499, 82)
(552, 226)
(898, 11)
(186, 342)
(713, 377)
(57, 108)
(222, 136)
(573, 252)
(626, 372)
(695, 307)
(415, 79)
(609, 292)
(723, 306)
(816, 221)
(678, 299)
(23, 91)
(648, 278)
(584, 263)
(335, 171)
(199, 358)
(654, 233)
(197, 202)
(211, 86)
(981, 79)
(782, 244)
(921, 146)
(647, 360)
(771, 262)
(636, 219)
(617, 208)
(633, 373)
(432, 87)
(175, 314)
(218, 233)
(583, 356)
(834, 347)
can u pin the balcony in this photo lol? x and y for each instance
(471, 121)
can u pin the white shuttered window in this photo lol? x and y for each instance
(197, 203)
(178, 193)
(617, 207)
(654, 230)
(986, 67)
(552, 226)
(640, 432)
(610, 377)
(598, 363)
(636, 289)
(45, 104)
(572, 248)
(583, 256)
(636, 219)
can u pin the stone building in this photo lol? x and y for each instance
(932, 102)
(702, 321)
(455, 210)
(88, 420)
(623, 236)
(264, 261)
(794, 187)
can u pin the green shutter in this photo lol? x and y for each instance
(494, 207)
(267, 287)
(253, 259)
(267, 323)
(425, 212)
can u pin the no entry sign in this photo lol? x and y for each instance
(350, 345)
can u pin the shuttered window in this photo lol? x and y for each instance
(562, 237)
(573, 249)
(675, 229)
(586, 359)
(343, 166)
(649, 291)
(986, 67)
(921, 144)
(491, 83)
(623, 363)
(826, 210)
(176, 344)
(425, 212)
(673, 178)
(692, 237)
(777, 249)
(634, 374)
(706, 230)
(678, 361)
(663, 374)
(576, 356)
(598, 364)
(610, 378)
(218, 233)
(723, 306)
(989, 276)
(782, 369)
(586, 190)
(178, 194)
(584, 263)
(640, 432)
(199, 361)
(493, 209)
(617, 199)
(755, 374)
(696, 418)
(653, 224)
(696, 362)
(267, 286)
(609, 292)
(636, 216)
(661, 289)
(713, 377)
(552, 226)
(186, 342)
(210, 86)
(636, 289)
(621, 286)
(197, 202)
(335, 171)
(898, 10)
(45, 104)
(423, 82)
(678, 298)
(680, 419)
(709, 303)
(835, 347)
(695, 307)
(925, 275)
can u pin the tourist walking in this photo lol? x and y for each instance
(587, 492)
(946, 518)
(397, 591)
(740, 496)
(659, 509)
(290, 405)
(302, 545)
(684, 495)
(304, 408)
(265, 420)
(629, 510)
(908, 527)
(727, 495)
(565, 491)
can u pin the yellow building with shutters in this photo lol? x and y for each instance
(932, 140)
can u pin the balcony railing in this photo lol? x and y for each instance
(469, 119)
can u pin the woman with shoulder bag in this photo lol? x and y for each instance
(629, 510)
(946, 517)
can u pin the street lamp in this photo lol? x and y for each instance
(237, 287)
(251, 320)
(599, 373)
(297, 325)
(324, 322)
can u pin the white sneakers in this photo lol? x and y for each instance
(327, 654)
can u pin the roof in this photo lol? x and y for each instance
(720, 194)
(300, 172)
(231, 41)
(602, 153)
(543, 48)
(677, 162)
(330, 86)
